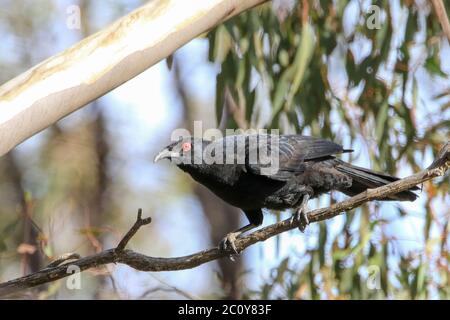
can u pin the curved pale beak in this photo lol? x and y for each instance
(166, 154)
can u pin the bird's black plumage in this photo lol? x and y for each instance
(307, 168)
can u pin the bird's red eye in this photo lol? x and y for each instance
(186, 146)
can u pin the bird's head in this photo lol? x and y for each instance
(185, 151)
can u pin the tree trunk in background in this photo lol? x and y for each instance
(96, 206)
(222, 217)
(31, 255)
(98, 202)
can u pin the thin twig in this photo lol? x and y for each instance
(145, 263)
(169, 289)
(137, 225)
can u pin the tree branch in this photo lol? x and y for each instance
(96, 65)
(63, 258)
(130, 234)
(146, 263)
(439, 9)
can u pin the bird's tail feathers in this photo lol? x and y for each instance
(363, 179)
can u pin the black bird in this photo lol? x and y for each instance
(306, 168)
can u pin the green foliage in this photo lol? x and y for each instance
(377, 96)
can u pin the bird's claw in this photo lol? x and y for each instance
(228, 243)
(300, 217)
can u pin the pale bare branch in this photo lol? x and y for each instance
(68, 81)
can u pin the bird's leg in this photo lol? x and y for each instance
(230, 239)
(300, 214)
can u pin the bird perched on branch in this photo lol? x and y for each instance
(257, 171)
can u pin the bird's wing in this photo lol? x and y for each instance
(259, 153)
(293, 151)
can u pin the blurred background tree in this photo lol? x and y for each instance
(368, 74)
